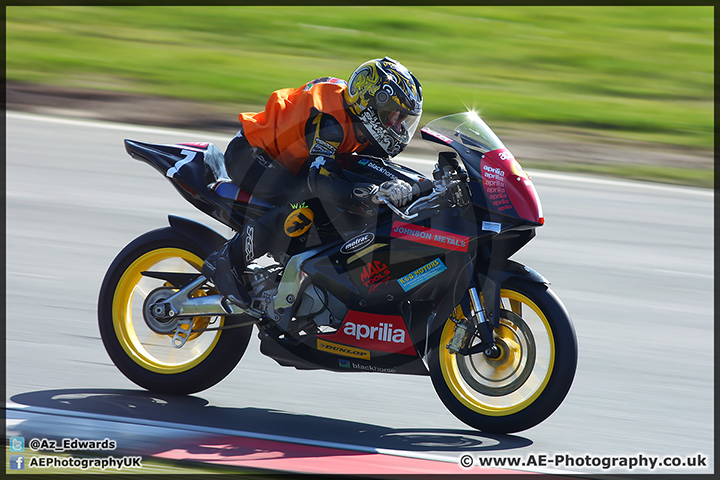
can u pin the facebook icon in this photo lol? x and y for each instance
(17, 462)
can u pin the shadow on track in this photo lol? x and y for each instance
(146, 408)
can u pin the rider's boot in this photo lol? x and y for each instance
(225, 267)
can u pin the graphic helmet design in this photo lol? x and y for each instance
(387, 99)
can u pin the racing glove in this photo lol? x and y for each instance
(397, 192)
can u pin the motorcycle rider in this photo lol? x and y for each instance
(295, 144)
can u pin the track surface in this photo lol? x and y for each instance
(633, 263)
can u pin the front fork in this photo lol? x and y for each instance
(467, 328)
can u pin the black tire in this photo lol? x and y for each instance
(532, 377)
(144, 356)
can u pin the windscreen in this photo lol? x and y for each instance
(468, 129)
(506, 187)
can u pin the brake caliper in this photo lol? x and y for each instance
(463, 328)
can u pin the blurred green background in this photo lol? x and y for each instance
(640, 73)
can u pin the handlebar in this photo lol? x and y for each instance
(449, 182)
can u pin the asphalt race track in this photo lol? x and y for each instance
(633, 263)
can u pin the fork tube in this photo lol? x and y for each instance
(483, 328)
(476, 306)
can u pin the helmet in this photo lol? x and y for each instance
(387, 100)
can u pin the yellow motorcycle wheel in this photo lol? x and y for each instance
(141, 346)
(531, 376)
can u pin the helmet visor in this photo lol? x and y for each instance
(398, 121)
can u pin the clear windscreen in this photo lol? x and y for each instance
(468, 129)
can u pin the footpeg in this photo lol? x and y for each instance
(228, 301)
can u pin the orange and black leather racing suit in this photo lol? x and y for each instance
(295, 144)
(304, 131)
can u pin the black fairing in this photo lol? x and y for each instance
(400, 273)
(183, 165)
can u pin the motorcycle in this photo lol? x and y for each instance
(427, 290)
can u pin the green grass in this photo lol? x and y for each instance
(639, 72)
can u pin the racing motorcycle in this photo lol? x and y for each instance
(428, 289)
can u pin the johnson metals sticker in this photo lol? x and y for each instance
(422, 275)
(430, 236)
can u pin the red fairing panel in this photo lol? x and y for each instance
(508, 188)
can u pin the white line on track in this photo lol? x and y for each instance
(34, 275)
(101, 424)
(573, 178)
(173, 430)
(424, 161)
(113, 126)
(691, 274)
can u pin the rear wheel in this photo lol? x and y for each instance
(140, 345)
(532, 374)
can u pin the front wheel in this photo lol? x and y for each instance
(141, 346)
(530, 378)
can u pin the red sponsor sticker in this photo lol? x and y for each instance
(438, 135)
(430, 236)
(375, 274)
(384, 333)
(202, 145)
